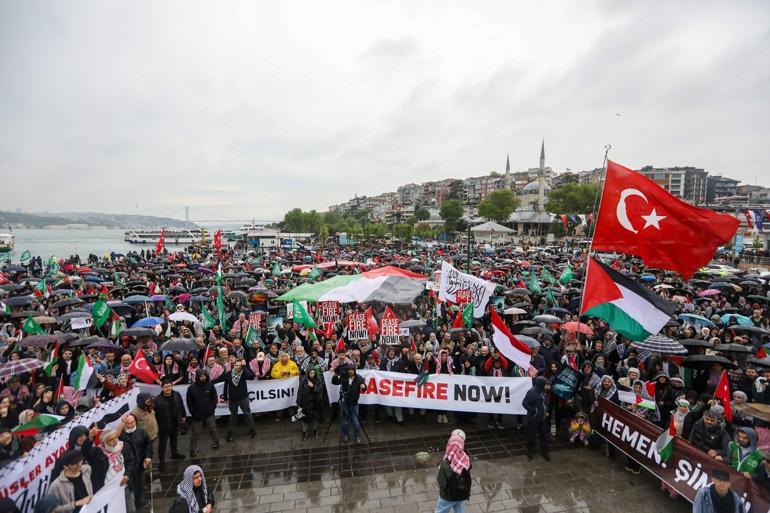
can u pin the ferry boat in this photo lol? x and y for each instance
(7, 241)
(174, 237)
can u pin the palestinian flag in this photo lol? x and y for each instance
(464, 318)
(664, 445)
(638, 400)
(37, 425)
(52, 360)
(116, 327)
(41, 290)
(631, 309)
(79, 378)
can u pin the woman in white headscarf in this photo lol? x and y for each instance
(192, 494)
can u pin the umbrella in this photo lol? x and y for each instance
(524, 323)
(80, 342)
(546, 318)
(577, 327)
(44, 319)
(558, 310)
(694, 342)
(137, 332)
(709, 292)
(508, 311)
(20, 301)
(137, 299)
(105, 346)
(87, 341)
(75, 314)
(37, 340)
(733, 348)
(660, 344)
(704, 361)
(158, 298)
(518, 292)
(756, 297)
(749, 329)
(750, 283)
(531, 342)
(647, 277)
(179, 344)
(237, 294)
(733, 318)
(414, 323)
(760, 362)
(534, 330)
(696, 319)
(148, 321)
(183, 316)
(15, 367)
(70, 301)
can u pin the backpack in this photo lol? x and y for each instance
(458, 486)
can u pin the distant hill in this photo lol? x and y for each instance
(123, 221)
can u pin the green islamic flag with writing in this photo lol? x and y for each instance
(207, 320)
(314, 273)
(566, 275)
(301, 316)
(467, 315)
(548, 277)
(25, 257)
(549, 297)
(100, 313)
(5, 257)
(116, 280)
(534, 286)
(53, 265)
(252, 337)
(31, 327)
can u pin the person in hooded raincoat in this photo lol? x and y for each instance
(536, 404)
(455, 466)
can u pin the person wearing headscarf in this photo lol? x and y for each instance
(664, 398)
(66, 410)
(193, 494)
(454, 479)
(309, 394)
(81, 439)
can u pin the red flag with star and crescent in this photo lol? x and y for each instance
(142, 370)
(639, 217)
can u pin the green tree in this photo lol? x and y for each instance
(456, 190)
(423, 231)
(451, 212)
(354, 230)
(573, 198)
(294, 220)
(422, 214)
(403, 231)
(323, 234)
(557, 228)
(499, 205)
(313, 221)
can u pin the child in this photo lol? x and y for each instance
(579, 429)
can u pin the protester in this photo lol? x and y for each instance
(72, 488)
(202, 399)
(351, 386)
(537, 416)
(137, 456)
(112, 449)
(237, 396)
(454, 478)
(718, 497)
(170, 413)
(193, 494)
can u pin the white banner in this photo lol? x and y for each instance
(264, 395)
(27, 479)
(453, 281)
(440, 392)
(110, 499)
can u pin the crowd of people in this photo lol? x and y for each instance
(722, 317)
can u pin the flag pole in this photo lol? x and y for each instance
(595, 212)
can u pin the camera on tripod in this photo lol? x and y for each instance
(298, 415)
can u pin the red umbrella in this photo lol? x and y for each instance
(578, 327)
(84, 270)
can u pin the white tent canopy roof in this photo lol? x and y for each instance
(491, 227)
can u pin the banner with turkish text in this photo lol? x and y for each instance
(440, 392)
(686, 471)
(110, 499)
(26, 480)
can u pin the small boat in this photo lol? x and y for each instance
(7, 241)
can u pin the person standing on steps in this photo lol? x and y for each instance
(454, 475)
(202, 401)
(236, 394)
(169, 410)
(535, 403)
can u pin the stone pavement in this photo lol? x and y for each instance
(278, 472)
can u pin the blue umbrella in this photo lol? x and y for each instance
(148, 322)
(696, 319)
(137, 299)
(647, 277)
(740, 319)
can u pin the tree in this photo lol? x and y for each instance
(313, 221)
(573, 198)
(422, 214)
(294, 220)
(456, 189)
(499, 205)
(403, 231)
(451, 212)
(423, 230)
(323, 234)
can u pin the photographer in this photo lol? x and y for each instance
(351, 386)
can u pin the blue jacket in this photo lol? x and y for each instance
(703, 504)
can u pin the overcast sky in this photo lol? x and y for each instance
(247, 109)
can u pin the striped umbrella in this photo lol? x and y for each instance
(19, 366)
(660, 344)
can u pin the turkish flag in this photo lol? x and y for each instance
(160, 246)
(142, 370)
(218, 242)
(371, 322)
(639, 217)
(723, 394)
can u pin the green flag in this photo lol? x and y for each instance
(41, 289)
(221, 314)
(301, 316)
(5, 308)
(534, 286)
(31, 327)
(548, 277)
(566, 274)
(549, 296)
(468, 315)
(276, 269)
(314, 273)
(252, 337)
(100, 313)
(25, 256)
(116, 280)
(208, 321)
(53, 265)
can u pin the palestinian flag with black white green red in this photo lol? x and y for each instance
(37, 425)
(632, 310)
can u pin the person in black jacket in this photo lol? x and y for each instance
(351, 386)
(81, 439)
(170, 413)
(537, 416)
(236, 393)
(193, 494)
(202, 400)
(137, 456)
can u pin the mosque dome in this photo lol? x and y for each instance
(532, 187)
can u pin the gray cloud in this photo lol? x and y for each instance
(249, 110)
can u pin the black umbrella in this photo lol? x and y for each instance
(20, 301)
(179, 344)
(704, 361)
(694, 342)
(558, 310)
(760, 362)
(518, 292)
(70, 301)
(137, 332)
(37, 340)
(105, 346)
(535, 330)
(733, 348)
(75, 314)
(740, 328)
